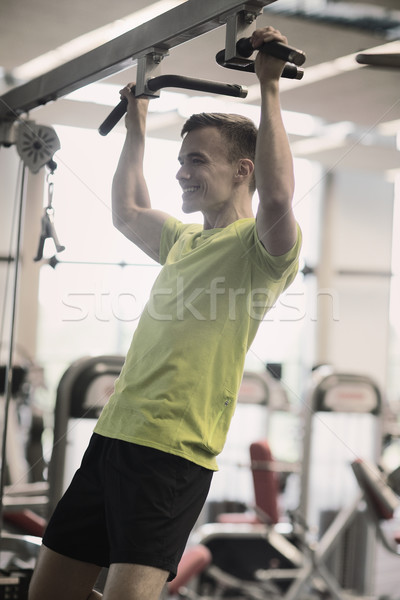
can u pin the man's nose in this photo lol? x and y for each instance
(183, 173)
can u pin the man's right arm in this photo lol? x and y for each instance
(131, 206)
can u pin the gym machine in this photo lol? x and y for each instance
(82, 392)
(342, 417)
(293, 562)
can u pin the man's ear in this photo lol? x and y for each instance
(245, 169)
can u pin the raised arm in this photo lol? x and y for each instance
(276, 225)
(131, 206)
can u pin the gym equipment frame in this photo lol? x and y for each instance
(297, 563)
(154, 38)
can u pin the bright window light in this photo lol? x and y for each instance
(334, 136)
(390, 128)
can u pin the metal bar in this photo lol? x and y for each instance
(183, 23)
(238, 25)
(337, 528)
(176, 81)
(9, 365)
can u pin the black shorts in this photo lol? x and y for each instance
(128, 504)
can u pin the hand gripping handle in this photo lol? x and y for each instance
(245, 48)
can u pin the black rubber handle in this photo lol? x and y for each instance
(289, 71)
(292, 72)
(389, 61)
(176, 81)
(115, 115)
(199, 85)
(245, 48)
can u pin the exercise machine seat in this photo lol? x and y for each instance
(265, 479)
(266, 489)
(193, 562)
(381, 500)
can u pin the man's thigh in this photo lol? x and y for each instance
(61, 577)
(134, 582)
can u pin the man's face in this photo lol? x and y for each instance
(205, 176)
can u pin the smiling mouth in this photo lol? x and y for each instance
(190, 190)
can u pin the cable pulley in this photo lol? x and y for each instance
(36, 144)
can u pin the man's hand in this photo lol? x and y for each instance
(268, 68)
(136, 114)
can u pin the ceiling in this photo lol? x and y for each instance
(357, 106)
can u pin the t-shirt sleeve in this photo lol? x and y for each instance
(171, 231)
(276, 267)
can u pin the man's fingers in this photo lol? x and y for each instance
(267, 34)
(127, 90)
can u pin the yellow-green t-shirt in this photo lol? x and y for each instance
(177, 390)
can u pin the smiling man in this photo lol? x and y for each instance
(211, 172)
(148, 467)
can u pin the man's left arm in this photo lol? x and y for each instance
(276, 225)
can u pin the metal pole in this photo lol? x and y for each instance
(9, 366)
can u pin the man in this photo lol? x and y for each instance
(148, 468)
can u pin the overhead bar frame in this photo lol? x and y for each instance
(176, 26)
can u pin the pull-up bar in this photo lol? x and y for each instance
(240, 61)
(176, 81)
(188, 83)
(181, 24)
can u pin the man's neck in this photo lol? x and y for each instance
(227, 217)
